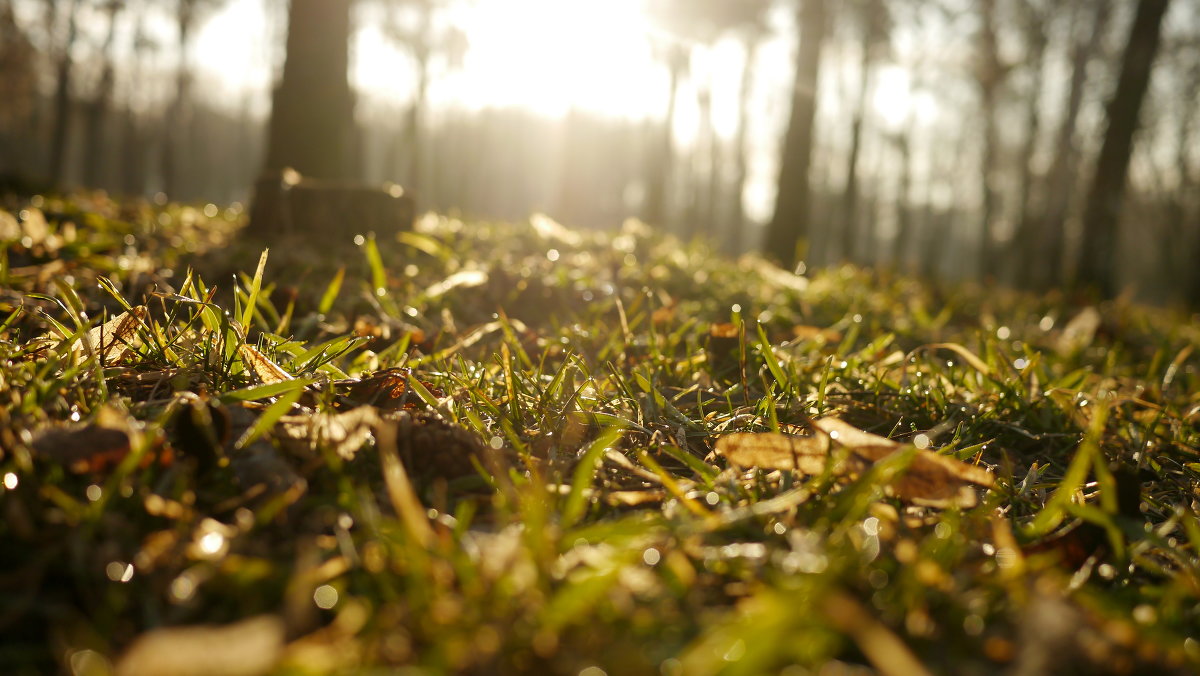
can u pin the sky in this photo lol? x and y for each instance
(549, 56)
(546, 55)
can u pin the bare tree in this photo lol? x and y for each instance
(177, 124)
(751, 37)
(61, 125)
(17, 87)
(1098, 255)
(681, 27)
(873, 22)
(412, 24)
(96, 111)
(135, 156)
(990, 74)
(788, 229)
(1034, 18)
(1089, 23)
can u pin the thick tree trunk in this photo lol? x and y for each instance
(1098, 254)
(789, 226)
(312, 117)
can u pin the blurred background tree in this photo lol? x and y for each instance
(999, 141)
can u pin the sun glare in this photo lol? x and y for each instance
(897, 102)
(549, 56)
(554, 55)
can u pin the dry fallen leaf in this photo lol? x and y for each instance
(931, 479)
(344, 432)
(247, 648)
(95, 447)
(388, 390)
(82, 449)
(266, 371)
(1079, 333)
(113, 340)
(815, 333)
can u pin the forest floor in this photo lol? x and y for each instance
(518, 448)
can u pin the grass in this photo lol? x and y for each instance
(487, 448)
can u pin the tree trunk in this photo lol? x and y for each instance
(1186, 202)
(416, 127)
(1049, 267)
(97, 108)
(662, 163)
(60, 132)
(737, 219)
(1024, 244)
(789, 226)
(707, 186)
(850, 196)
(989, 78)
(312, 115)
(904, 225)
(177, 121)
(1098, 259)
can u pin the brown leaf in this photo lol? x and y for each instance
(634, 498)
(344, 432)
(95, 447)
(815, 333)
(89, 448)
(113, 339)
(930, 479)
(806, 455)
(387, 390)
(1079, 333)
(247, 648)
(265, 370)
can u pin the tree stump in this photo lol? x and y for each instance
(287, 203)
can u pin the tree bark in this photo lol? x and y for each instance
(97, 108)
(1098, 259)
(904, 221)
(1049, 265)
(60, 132)
(737, 219)
(789, 225)
(850, 196)
(312, 115)
(989, 77)
(662, 163)
(1024, 242)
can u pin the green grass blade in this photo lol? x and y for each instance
(576, 504)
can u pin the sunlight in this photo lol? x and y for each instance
(552, 55)
(892, 97)
(545, 55)
(896, 101)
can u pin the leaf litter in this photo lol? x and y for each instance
(521, 487)
(929, 479)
